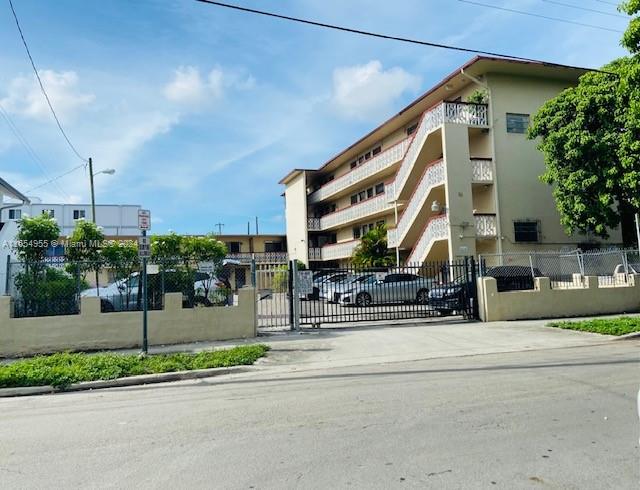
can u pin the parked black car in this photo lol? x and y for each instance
(450, 297)
(513, 277)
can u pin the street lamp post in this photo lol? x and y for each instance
(108, 171)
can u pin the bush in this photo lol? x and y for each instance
(63, 369)
(47, 291)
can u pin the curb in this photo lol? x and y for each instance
(143, 379)
(629, 336)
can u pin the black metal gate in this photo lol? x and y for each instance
(434, 289)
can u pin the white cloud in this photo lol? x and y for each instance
(25, 98)
(189, 87)
(367, 91)
(186, 87)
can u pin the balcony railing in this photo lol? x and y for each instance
(261, 257)
(315, 253)
(486, 225)
(339, 250)
(355, 212)
(371, 167)
(313, 224)
(445, 112)
(433, 176)
(437, 229)
(482, 170)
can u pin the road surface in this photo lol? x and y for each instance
(556, 418)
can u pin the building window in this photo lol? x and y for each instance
(15, 213)
(376, 150)
(354, 164)
(412, 129)
(370, 192)
(273, 246)
(526, 230)
(354, 199)
(50, 212)
(356, 232)
(78, 214)
(517, 123)
(380, 223)
(233, 247)
(379, 189)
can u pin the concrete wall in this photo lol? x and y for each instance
(296, 218)
(93, 330)
(519, 164)
(544, 302)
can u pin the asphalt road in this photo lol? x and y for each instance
(558, 418)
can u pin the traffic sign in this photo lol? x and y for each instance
(305, 282)
(144, 219)
(144, 247)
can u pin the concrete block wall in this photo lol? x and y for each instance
(544, 302)
(93, 330)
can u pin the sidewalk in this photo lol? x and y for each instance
(364, 344)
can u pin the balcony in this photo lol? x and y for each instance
(437, 228)
(315, 253)
(433, 176)
(355, 212)
(446, 112)
(377, 164)
(337, 251)
(482, 170)
(486, 225)
(313, 224)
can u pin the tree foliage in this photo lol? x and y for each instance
(590, 137)
(35, 235)
(373, 251)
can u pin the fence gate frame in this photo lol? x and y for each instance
(459, 274)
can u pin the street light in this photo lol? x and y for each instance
(108, 171)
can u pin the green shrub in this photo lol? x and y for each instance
(63, 369)
(605, 326)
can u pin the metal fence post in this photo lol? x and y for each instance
(474, 290)
(290, 293)
(296, 299)
(254, 281)
(6, 281)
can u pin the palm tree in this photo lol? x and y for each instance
(373, 251)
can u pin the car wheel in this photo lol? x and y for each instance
(422, 298)
(363, 299)
(106, 306)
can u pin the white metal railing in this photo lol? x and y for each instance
(481, 170)
(247, 257)
(339, 250)
(371, 167)
(486, 225)
(433, 176)
(445, 112)
(315, 253)
(356, 211)
(437, 229)
(313, 224)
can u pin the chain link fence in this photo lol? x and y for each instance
(56, 286)
(516, 270)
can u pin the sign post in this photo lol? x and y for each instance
(144, 252)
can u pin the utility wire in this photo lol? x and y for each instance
(29, 149)
(44, 92)
(50, 181)
(382, 36)
(540, 16)
(586, 9)
(607, 3)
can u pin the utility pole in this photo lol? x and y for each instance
(638, 231)
(93, 195)
(220, 226)
(257, 232)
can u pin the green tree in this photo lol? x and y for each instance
(373, 250)
(35, 235)
(83, 253)
(167, 250)
(590, 137)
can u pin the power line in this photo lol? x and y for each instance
(540, 16)
(586, 9)
(50, 181)
(29, 149)
(607, 3)
(367, 33)
(44, 92)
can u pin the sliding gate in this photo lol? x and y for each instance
(435, 289)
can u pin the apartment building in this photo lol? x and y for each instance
(447, 177)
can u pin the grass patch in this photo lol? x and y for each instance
(61, 370)
(606, 326)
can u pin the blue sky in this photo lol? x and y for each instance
(202, 110)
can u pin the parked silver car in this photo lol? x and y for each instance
(394, 288)
(333, 292)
